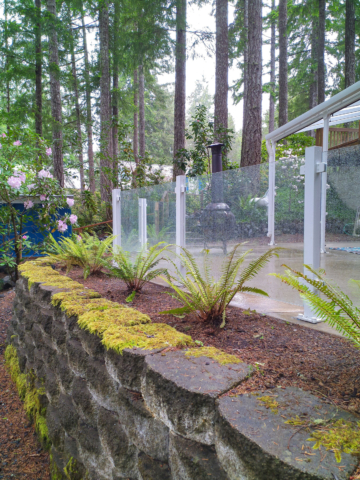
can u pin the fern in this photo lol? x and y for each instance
(87, 253)
(338, 310)
(161, 236)
(138, 272)
(208, 298)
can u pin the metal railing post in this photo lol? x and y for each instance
(271, 147)
(324, 182)
(142, 223)
(116, 211)
(180, 191)
(312, 170)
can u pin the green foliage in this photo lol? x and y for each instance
(136, 273)
(207, 297)
(292, 146)
(154, 238)
(86, 252)
(197, 161)
(338, 310)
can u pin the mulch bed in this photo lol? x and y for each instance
(21, 455)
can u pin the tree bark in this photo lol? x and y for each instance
(321, 52)
(313, 92)
(78, 118)
(272, 72)
(283, 64)
(115, 94)
(180, 84)
(136, 113)
(252, 133)
(246, 56)
(141, 112)
(350, 43)
(38, 70)
(105, 110)
(7, 68)
(88, 110)
(221, 69)
(56, 108)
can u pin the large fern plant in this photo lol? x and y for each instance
(87, 252)
(135, 273)
(337, 309)
(207, 297)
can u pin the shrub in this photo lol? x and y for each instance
(87, 252)
(338, 310)
(135, 274)
(207, 297)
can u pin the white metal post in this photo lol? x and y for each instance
(324, 182)
(271, 147)
(142, 223)
(116, 211)
(312, 232)
(180, 217)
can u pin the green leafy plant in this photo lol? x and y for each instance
(87, 252)
(161, 236)
(207, 297)
(138, 272)
(337, 309)
(129, 241)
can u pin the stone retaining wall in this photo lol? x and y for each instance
(152, 414)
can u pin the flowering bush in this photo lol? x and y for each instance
(25, 178)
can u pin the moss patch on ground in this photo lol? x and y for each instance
(212, 352)
(30, 395)
(270, 403)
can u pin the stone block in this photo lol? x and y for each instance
(100, 383)
(77, 357)
(52, 386)
(181, 391)
(84, 401)
(149, 434)
(55, 429)
(67, 414)
(63, 372)
(89, 439)
(58, 335)
(191, 460)
(113, 437)
(21, 353)
(70, 447)
(127, 367)
(91, 343)
(37, 335)
(45, 319)
(151, 469)
(253, 442)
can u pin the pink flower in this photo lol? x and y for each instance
(17, 143)
(70, 202)
(44, 174)
(62, 226)
(42, 198)
(28, 204)
(3, 135)
(48, 151)
(21, 175)
(73, 219)
(14, 182)
(24, 237)
(31, 186)
(79, 238)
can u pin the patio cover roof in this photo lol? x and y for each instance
(342, 107)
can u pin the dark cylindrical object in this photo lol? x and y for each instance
(216, 164)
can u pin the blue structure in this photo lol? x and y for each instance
(35, 236)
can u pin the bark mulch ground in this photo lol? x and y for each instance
(21, 455)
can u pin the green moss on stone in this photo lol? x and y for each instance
(270, 403)
(211, 352)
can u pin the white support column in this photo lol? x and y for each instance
(116, 210)
(312, 169)
(324, 182)
(180, 191)
(142, 223)
(271, 147)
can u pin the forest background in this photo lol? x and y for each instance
(104, 83)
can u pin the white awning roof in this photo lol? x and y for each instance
(342, 107)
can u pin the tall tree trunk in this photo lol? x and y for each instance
(88, 110)
(55, 94)
(180, 85)
(141, 112)
(350, 43)
(272, 71)
(115, 94)
(6, 36)
(314, 59)
(283, 64)
(105, 110)
(246, 56)
(251, 143)
(321, 52)
(136, 113)
(222, 67)
(78, 117)
(38, 70)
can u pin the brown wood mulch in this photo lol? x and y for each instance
(21, 455)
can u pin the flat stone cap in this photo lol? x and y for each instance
(267, 447)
